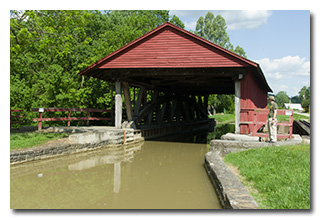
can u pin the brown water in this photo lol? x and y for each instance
(149, 175)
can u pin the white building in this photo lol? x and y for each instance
(294, 106)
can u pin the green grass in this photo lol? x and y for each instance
(280, 174)
(295, 117)
(230, 118)
(30, 139)
(223, 118)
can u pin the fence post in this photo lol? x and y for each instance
(69, 118)
(40, 121)
(88, 115)
(291, 125)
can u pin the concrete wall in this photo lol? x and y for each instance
(79, 142)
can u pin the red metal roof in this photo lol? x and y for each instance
(169, 46)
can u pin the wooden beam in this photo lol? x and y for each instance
(126, 91)
(118, 105)
(237, 107)
(139, 101)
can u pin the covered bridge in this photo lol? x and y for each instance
(181, 69)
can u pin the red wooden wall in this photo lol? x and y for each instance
(253, 96)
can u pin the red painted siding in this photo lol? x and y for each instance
(253, 96)
(170, 48)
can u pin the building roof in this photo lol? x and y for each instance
(171, 55)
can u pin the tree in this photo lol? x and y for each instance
(222, 103)
(304, 95)
(214, 29)
(295, 99)
(281, 98)
(49, 47)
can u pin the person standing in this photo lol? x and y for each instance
(272, 120)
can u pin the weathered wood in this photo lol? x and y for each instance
(205, 102)
(163, 110)
(118, 105)
(139, 101)
(178, 111)
(127, 99)
(237, 107)
(173, 108)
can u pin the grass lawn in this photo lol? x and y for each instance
(30, 139)
(280, 176)
(223, 118)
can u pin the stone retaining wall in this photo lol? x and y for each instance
(230, 143)
(231, 192)
(79, 142)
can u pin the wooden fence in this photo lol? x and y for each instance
(14, 117)
(69, 118)
(258, 118)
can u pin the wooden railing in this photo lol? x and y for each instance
(68, 118)
(16, 116)
(258, 117)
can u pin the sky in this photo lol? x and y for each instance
(278, 40)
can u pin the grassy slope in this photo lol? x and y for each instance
(280, 174)
(26, 140)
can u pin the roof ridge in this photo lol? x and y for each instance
(155, 30)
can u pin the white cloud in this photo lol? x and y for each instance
(288, 74)
(246, 19)
(235, 19)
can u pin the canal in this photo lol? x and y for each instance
(148, 175)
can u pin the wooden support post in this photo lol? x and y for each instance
(139, 101)
(69, 118)
(205, 102)
(127, 99)
(118, 105)
(200, 100)
(237, 107)
(40, 122)
(88, 115)
(178, 111)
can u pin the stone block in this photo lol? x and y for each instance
(239, 137)
(231, 192)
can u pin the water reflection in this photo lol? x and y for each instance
(150, 175)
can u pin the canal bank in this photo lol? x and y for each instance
(231, 192)
(81, 139)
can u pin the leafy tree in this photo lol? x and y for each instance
(281, 98)
(222, 103)
(295, 99)
(49, 47)
(304, 95)
(214, 29)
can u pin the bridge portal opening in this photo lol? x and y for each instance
(174, 72)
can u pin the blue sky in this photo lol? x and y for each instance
(278, 40)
